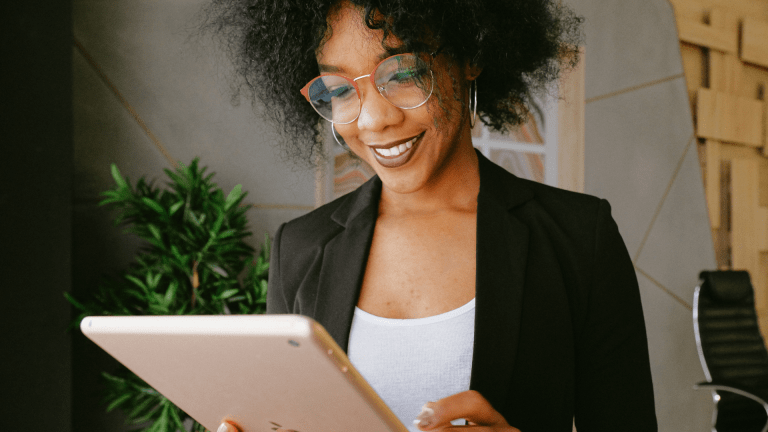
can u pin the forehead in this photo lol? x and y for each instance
(351, 46)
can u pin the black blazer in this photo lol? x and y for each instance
(559, 328)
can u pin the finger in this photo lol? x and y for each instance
(226, 426)
(469, 405)
(468, 429)
(229, 427)
(479, 429)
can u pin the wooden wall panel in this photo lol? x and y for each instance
(571, 132)
(762, 229)
(697, 76)
(761, 297)
(724, 67)
(725, 72)
(765, 120)
(733, 152)
(754, 42)
(725, 117)
(712, 182)
(706, 35)
(729, 94)
(756, 9)
(744, 209)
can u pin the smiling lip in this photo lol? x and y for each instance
(393, 155)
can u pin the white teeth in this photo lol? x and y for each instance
(396, 150)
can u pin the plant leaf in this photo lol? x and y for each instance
(190, 218)
(233, 197)
(228, 293)
(74, 302)
(149, 202)
(170, 293)
(137, 281)
(218, 270)
(115, 403)
(121, 183)
(174, 208)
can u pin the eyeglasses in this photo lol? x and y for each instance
(405, 81)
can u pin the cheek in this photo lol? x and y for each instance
(347, 137)
(347, 134)
(447, 102)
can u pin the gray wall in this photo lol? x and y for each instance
(640, 155)
(178, 90)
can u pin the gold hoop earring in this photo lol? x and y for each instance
(473, 107)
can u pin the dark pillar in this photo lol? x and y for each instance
(35, 213)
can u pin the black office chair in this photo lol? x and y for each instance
(732, 352)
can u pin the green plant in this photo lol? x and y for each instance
(195, 262)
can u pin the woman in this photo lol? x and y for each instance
(456, 288)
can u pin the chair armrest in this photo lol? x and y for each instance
(733, 388)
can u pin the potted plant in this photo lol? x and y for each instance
(195, 262)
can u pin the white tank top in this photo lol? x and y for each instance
(410, 362)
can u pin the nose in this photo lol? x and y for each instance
(376, 113)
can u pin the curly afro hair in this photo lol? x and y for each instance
(521, 45)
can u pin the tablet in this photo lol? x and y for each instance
(261, 372)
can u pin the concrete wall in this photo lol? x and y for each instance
(640, 155)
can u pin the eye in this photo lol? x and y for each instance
(406, 75)
(342, 92)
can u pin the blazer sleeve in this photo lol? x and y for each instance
(276, 302)
(614, 390)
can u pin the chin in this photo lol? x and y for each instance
(401, 184)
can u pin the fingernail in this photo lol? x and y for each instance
(223, 427)
(425, 417)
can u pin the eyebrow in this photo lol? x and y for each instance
(389, 52)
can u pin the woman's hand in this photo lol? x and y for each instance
(437, 416)
(469, 405)
(226, 426)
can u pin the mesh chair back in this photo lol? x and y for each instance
(729, 335)
(731, 347)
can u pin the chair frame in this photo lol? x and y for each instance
(714, 387)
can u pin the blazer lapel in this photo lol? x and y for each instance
(502, 245)
(502, 249)
(344, 261)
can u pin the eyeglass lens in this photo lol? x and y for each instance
(404, 80)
